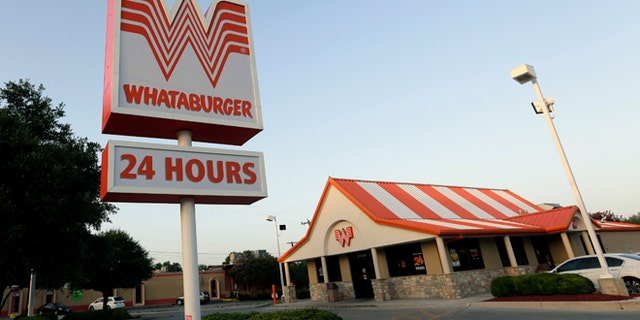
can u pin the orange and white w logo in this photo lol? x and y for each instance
(223, 32)
(344, 235)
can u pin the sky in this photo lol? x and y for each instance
(402, 91)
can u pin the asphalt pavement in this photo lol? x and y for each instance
(471, 301)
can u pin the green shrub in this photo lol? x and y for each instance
(574, 283)
(541, 284)
(307, 313)
(503, 287)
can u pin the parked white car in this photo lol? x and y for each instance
(112, 303)
(621, 265)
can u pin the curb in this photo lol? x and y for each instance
(600, 305)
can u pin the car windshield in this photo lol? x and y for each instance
(118, 299)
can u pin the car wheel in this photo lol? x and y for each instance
(108, 307)
(179, 302)
(632, 284)
(91, 308)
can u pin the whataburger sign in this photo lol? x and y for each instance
(168, 71)
(180, 70)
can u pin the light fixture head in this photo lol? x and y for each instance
(523, 73)
(270, 218)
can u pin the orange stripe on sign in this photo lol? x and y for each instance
(408, 200)
(450, 204)
(479, 203)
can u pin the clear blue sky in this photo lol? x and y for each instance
(409, 91)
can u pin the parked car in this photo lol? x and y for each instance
(204, 298)
(54, 308)
(621, 265)
(112, 303)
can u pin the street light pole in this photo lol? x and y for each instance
(526, 73)
(275, 223)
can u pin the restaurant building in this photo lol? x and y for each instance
(388, 240)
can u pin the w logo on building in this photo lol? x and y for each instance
(344, 235)
(222, 31)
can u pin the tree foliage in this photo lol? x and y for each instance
(606, 215)
(635, 219)
(255, 273)
(116, 261)
(49, 186)
(299, 274)
(168, 266)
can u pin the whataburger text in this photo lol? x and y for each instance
(174, 99)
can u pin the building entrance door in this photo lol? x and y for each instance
(362, 272)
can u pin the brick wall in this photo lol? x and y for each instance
(452, 286)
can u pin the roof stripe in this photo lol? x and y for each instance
(445, 207)
(524, 205)
(479, 208)
(511, 208)
(388, 200)
(496, 208)
(407, 194)
(436, 208)
(365, 200)
(465, 208)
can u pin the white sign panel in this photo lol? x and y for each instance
(144, 172)
(180, 69)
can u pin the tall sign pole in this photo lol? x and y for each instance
(189, 246)
(185, 73)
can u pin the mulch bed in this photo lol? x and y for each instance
(567, 297)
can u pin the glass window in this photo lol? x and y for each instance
(580, 264)
(465, 254)
(570, 265)
(613, 262)
(405, 260)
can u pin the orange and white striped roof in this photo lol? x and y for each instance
(439, 209)
(450, 210)
(420, 201)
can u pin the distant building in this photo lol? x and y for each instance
(161, 289)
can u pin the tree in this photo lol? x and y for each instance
(255, 272)
(635, 219)
(49, 186)
(606, 215)
(117, 261)
(299, 274)
(168, 266)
